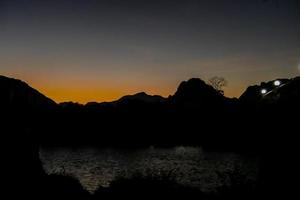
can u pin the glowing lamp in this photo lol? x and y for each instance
(263, 91)
(277, 83)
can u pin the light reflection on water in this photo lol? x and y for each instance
(190, 166)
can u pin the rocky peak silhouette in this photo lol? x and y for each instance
(17, 94)
(196, 93)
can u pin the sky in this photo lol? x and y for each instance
(100, 50)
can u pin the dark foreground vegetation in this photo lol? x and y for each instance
(139, 187)
(263, 125)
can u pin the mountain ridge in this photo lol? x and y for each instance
(191, 93)
(17, 93)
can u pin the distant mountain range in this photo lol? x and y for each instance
(142, 119)
(193, 93)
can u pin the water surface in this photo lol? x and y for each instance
(190, 166)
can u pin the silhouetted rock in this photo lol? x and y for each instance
(196, 94)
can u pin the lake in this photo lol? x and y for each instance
(190, 166)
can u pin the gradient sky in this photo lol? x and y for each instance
(99, 50)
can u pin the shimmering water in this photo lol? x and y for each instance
(190, 166)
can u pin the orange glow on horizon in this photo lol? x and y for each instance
(84, 91)
(80, 96)
(83, 95)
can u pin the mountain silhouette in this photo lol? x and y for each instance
(260, 124)
(26, 116)
(195, 94)
(192, 93)
(288, 94)
(194, 106)
(142, 97)
(282, 97)
(16, 94)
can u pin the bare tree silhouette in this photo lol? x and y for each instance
(218, 83)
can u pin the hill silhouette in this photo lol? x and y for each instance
(253, 94)
(196, 94)
(16, 94)
(142, 119)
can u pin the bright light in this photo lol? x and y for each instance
(263, 91)
(277, 83)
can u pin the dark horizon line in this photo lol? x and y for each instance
(141, 92)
